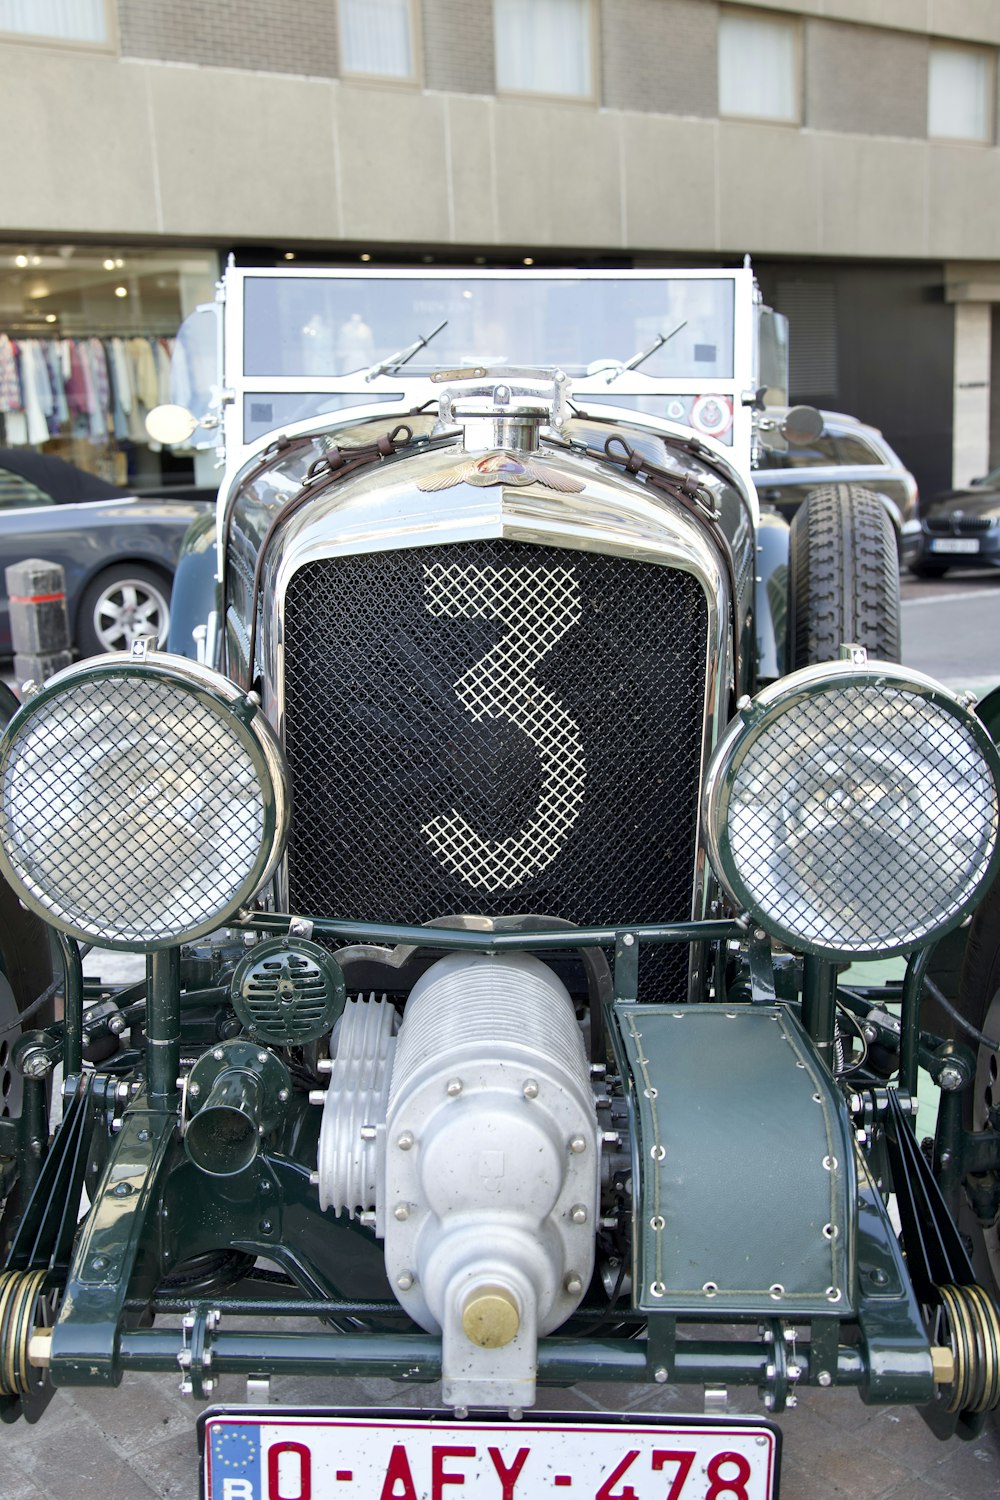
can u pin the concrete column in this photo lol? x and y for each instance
(970, 455)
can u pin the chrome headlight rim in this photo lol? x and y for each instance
(741, 738)
(221, 697)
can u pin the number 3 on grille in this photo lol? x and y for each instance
(538, 606)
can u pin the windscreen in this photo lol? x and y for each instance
(304, 326)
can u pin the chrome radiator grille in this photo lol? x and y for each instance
(494, 728)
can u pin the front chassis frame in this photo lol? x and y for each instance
(112, 1313)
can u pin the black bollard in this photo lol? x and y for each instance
(39, 624)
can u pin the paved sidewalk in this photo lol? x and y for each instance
(138, 1443)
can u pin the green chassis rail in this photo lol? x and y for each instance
(148, 1205)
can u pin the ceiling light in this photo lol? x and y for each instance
(289, 254)
(364, 255)
(52, 317)
(121, 291)
(119, 263)
(108, 264)
(528, 261)
(21, 260)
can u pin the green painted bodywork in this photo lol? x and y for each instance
(705, 1081)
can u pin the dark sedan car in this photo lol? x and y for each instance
(119, 551)
(961, 529)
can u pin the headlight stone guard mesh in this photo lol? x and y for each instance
(495, 728)
(859, 818)
(131, 809)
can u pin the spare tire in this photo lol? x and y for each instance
(843, 576)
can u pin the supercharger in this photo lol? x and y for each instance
(470, 1140)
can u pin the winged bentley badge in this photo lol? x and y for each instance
(500, 467)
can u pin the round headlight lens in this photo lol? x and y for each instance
(141, 802)
(854, 811)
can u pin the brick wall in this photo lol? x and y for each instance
(272, 36)
(458, 45)
(863, 79)
(660, 56)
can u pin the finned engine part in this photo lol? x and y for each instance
(473, 1134)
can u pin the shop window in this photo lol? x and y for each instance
(57, 20)
(959, 86)
(758, 67)
(376, 38)
(544, 47)
(86, 335)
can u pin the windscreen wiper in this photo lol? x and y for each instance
(402, 356)
(644, 354)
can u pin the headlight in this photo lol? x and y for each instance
(141, 801)
(853, 811)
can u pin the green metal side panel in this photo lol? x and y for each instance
(745, 1164)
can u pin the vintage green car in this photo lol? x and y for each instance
(504, 830)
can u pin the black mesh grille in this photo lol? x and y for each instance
(494, 728)
(953, 523)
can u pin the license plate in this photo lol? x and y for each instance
(318, 1455)
(955, 544)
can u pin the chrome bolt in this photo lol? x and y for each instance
(317, 1096)
(791, 1401)
(369, 1133)
(36, 1065)
(461, 1412)
(660, 1376)
(794, 1372)
(453, 1088)
(263, 1056)
(610, 1139)
(404, 1280)
(194, 1090)
(405, 1141)
(249, 939)
(401, 1212)
(530, 1089)
(208, 1386)
(824, 1378)
(573, 1284)
(578, 1213)
(577, 1145)
(116, 1025)
(314, 1179)
(218, 1054)
(367, 1219)
(283, 1096)
(950, 1078)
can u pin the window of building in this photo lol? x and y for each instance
(959, 85)
(376, 38)
(758, 67)
(86, 335)
(59, 20)
(544, 47)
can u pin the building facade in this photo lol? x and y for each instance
(848, 146)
